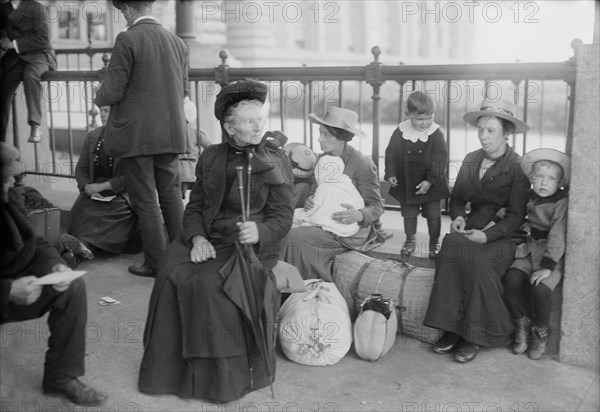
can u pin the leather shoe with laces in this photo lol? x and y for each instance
(447, 343)
(142, 270)
(466, 352)
(75, 391)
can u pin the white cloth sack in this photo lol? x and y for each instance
(315, 327)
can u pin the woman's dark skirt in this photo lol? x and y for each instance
(467, 295)
(110, 226)
(195, 338)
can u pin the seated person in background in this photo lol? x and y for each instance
(303, 161)
(197, 140)
(102, 216)
(539, 262)
(335, 193)
(23, 258)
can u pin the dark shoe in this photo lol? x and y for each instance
(466, 352)
(521, 331)
(447, 343)
(433, 250)
(142, 270)
(75, 391)
(71, 260)
(409, 246)
(35, 136)
(539, 340)
(76, 246)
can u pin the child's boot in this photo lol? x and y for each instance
(435, 227)
(539, 341)
(434, 246)
(521, 332)
(409, 246)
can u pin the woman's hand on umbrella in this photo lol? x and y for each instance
(202, 250)
(248, 233)
(348, 216)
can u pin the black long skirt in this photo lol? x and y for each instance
(110, 226)
(467, 295)
(195, 338)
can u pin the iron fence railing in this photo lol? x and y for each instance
(544, 91)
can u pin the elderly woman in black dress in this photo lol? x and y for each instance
(196, 340)
(487, 205)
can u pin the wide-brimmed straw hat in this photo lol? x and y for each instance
(340, 118)
(528, 161)
(119, 3)
(247, 89)
(504, 109)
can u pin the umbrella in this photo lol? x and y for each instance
(250, 286)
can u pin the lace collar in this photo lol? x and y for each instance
(413, 135)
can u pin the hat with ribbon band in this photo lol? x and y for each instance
(503, 109)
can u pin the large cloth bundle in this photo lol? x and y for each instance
(315, 327)
(375, 328)
(357, 276)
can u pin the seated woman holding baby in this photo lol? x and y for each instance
(312, 248)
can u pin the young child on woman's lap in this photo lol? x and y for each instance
(539, 262)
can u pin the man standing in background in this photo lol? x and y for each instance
(145, 85)
(26, 56)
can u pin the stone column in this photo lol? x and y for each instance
(581, 288)
(201, 25)
(184, 19)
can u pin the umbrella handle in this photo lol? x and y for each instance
(250, 155)
(240, 176)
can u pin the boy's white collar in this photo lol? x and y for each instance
(414, 135)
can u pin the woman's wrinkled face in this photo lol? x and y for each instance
(329, 143)
(491, 136)
(246, 127)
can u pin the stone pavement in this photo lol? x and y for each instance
(409, 378)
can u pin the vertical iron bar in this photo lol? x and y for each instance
(51, 136)
(571, 120)
(197, 107)
(448, 129)
(310, 110)
(376, 97)
(525, 112)
(70, 128)
(281, 107)
(340, 86)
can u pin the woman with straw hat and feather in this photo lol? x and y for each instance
(487, 206)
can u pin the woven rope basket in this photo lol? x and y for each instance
(357, 276)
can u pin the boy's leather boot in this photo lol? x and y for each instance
(409, 246)
(434, 246)
(539, 340)
(521, 332)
